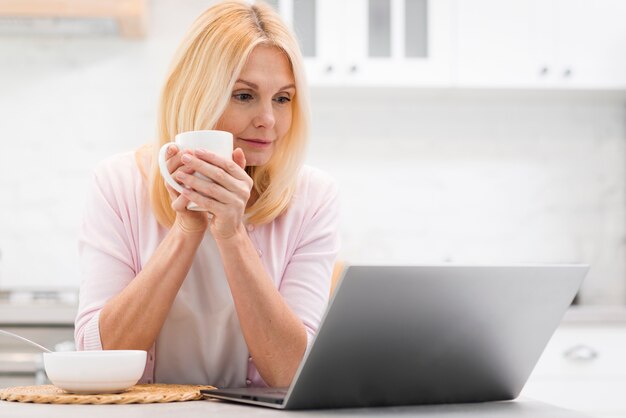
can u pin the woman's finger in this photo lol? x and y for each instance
(214, 173)
(206, 188)
(218, 175)
(175, 165)
(227, 165)
(179, 204)
(173, 193)
(204, 202)
(239, 158)
(173, 158)
(170, 157)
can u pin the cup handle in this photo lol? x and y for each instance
(165, 172)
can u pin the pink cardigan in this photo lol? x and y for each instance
(119, 234)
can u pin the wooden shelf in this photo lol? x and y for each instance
(129, 14)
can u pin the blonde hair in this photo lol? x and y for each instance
(198, 87)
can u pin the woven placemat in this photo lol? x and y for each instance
(137, 394)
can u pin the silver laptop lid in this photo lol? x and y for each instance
(397, 335)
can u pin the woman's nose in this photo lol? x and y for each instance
(265, 117)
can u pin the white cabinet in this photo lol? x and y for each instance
(591, 43)
(499, 43)
(538, 44)
(541, 43)
(373, 42)
(583, 368)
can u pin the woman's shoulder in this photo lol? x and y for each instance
(123, 163)
(315, 189)
(118, 172)
(315, 182)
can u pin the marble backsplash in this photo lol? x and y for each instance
(427, 176)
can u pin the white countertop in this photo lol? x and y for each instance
(595, 314)
(43, 314)
(56, 307)
(525, 408)
(64, 313)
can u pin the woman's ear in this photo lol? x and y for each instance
(239, 158)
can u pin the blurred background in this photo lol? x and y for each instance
(459, 131)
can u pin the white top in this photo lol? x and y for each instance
(203, 304)
(201, 341)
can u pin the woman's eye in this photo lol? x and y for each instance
(283, 99)
(243, 97)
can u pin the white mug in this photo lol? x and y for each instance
(217, 142)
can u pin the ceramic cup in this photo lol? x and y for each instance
(217, 142)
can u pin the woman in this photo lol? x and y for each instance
(231, 300)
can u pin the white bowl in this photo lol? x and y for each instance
(92, 372)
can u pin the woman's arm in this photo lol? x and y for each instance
(133, 318)
(275, 336)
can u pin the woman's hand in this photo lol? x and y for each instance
(225, 194)
(187, 220)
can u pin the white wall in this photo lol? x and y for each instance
(480, 177)
(426, 176)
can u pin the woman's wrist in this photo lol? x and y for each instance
(179, 228)
(233, 240)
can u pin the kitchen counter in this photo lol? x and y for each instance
(42, 315)
(594, 315)
(523, 408)
(38, 307)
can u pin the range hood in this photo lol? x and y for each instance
(126, 18)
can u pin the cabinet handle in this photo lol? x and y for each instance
(567, 73)
(354, 69)
(580, 353)
(329, 69)
(544, 70)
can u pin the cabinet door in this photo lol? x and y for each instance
(583, 352)
(583, 369)
(398, 42)
(319, 27)
(373, 42)
(591, 43)
(503, 43)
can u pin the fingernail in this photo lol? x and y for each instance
(170, 149)
(186, 158)
(200, 152)
(180, 176)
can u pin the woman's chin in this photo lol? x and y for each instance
(254, 163)
(254, 159)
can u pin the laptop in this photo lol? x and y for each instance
(407, 335)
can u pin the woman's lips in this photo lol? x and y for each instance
(256, 143)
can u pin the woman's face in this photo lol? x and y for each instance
(259, 111)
